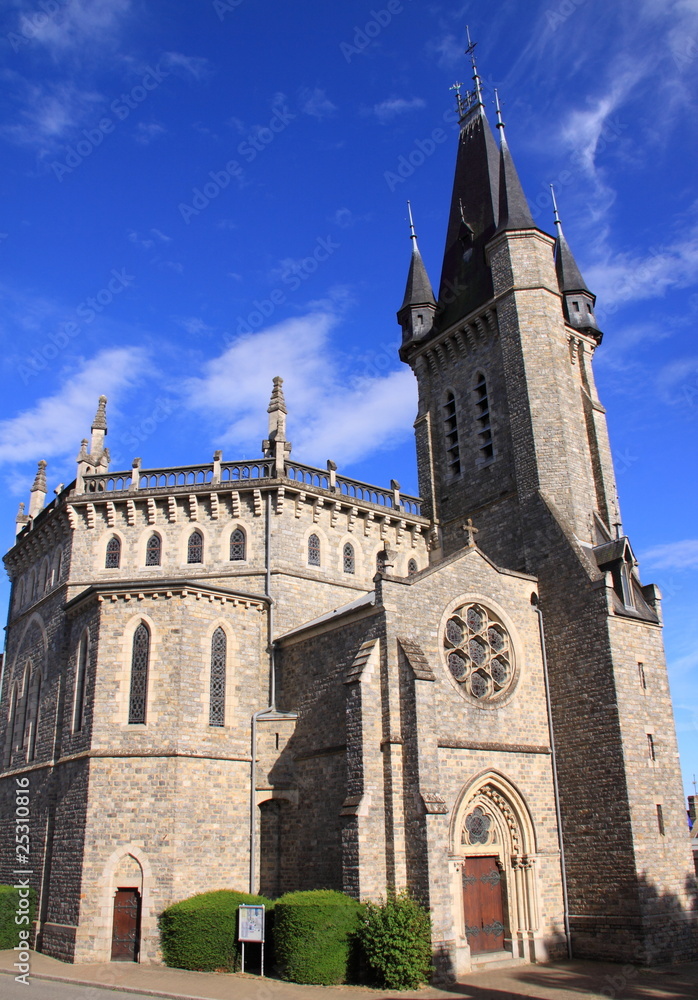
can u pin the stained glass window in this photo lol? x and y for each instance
(139, 675)
(313, 551)
(348, 559)
(412, 567)
(113, 560)
(237, 544)
(195, 548)
(478, 653)
(216, 716)
(153, 551)
(478, 825)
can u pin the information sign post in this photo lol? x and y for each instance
(251, 928)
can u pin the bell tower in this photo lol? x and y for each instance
(512, 441)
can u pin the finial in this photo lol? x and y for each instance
(555, 211)
(413, 235)
(500, 120)
(100, 421)
(462, 108)
(20, 512)
(40, 480)
(277, 401)
(470, 51)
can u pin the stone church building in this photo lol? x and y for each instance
(266, 675)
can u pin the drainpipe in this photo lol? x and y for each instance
(270, 711)
(556, 788)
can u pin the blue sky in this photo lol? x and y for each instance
(196, 197)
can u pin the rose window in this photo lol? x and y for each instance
(478, 653)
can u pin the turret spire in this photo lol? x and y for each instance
(514, 212)
(37, 494)
(416, 313)
(578, 301)
(276, 446)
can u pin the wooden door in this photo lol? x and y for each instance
(482, 904)
(127, 926)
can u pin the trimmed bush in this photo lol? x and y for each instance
(396, 941)
(315, 936)
(12, 904)
(201, 932)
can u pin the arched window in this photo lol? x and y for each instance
(11, 718)
(43, 575)
(195, 548)
(482, 419)
(59, 566)
(451, 434)
(19, 599)
(34, 711)
(153, 551)
(139, 675)
(80, 682)
(237, 545)
(113, 559)
(412, 567)
(25, 712)
(31, 589)
(348, 558)
(219, 643)
(313, 551)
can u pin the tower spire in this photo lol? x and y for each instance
(514, 212)
(578, 301)
(470, 51)
(276, 446)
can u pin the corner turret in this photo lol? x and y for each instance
(416, 314)
(577, 301)
(37, 494)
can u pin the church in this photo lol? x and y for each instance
(267, 676)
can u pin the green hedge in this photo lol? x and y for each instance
(315, 936)
(201, 932)
(396, 942)
(12, 904)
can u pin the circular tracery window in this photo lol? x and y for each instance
(478, 653)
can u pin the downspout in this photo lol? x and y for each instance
(556, 788)
(270, 710)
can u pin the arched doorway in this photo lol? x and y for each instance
(126, 920)
(494, 885)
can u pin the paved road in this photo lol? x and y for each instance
(40, 989)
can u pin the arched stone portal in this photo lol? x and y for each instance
(493, 855)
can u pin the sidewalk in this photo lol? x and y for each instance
(561, 981)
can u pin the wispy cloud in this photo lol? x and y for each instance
(49, 112)
(394, 106)
(79, 24)
(329, 414)
(55, 425)
(194, 67)
(147, 132)
(317, 104)
(673, 555)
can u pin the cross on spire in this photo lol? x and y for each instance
(471, 531)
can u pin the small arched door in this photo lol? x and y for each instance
(126, 929)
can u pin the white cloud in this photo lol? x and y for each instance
(146, 132)
(56, 424)
(626, 277)
(317, 104)
(188, 66)
(49, 113)
(673, 555)
(330, 416)
(78, 24)
(394, 106)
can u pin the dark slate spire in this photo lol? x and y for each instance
(466, 280)
(514, 212)
(418, 290)
(416, 314)
(577, 301)
(568, 274)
